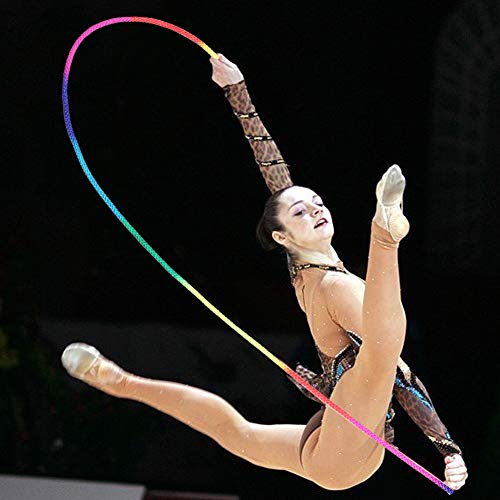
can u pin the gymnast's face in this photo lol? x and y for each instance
(307, 222)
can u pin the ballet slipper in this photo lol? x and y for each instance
(86, 363)
(389, 213)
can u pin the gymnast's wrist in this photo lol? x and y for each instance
(240, 85)
(234, 91)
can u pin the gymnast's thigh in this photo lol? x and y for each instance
(274, 446)
(335, 466)
(336, 448)
(365, 394)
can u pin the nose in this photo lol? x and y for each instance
(317, 210)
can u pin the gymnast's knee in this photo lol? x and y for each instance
(333, 483)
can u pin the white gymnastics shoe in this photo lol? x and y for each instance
(86, 363)
(389, 212)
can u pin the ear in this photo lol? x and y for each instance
(279, 237)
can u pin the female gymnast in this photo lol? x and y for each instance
(358, 328)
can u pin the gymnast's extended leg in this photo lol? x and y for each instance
(338, 454)
(272, 446)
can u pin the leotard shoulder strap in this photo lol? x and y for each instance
(295, 268)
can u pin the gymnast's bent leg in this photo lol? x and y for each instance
(338, 454)
(271, 446)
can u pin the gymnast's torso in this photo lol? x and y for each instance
(321, 292)
(332, 299)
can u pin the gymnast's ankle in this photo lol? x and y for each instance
(382, 237)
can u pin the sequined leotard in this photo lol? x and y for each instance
(316, 288)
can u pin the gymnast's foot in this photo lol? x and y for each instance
(455, 471)
(389, 213)
(86, 363)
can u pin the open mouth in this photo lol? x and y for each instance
(320, 223)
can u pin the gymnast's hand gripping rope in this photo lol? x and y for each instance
(181, 280)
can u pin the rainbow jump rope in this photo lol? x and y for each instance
(175, 275)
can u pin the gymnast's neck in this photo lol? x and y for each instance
(325, 256)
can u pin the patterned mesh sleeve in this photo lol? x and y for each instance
(267, 155)
(415, 400)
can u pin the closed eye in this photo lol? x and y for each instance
(301, 212)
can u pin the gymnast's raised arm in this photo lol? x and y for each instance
(267, 155)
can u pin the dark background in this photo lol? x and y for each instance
(345, 88)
